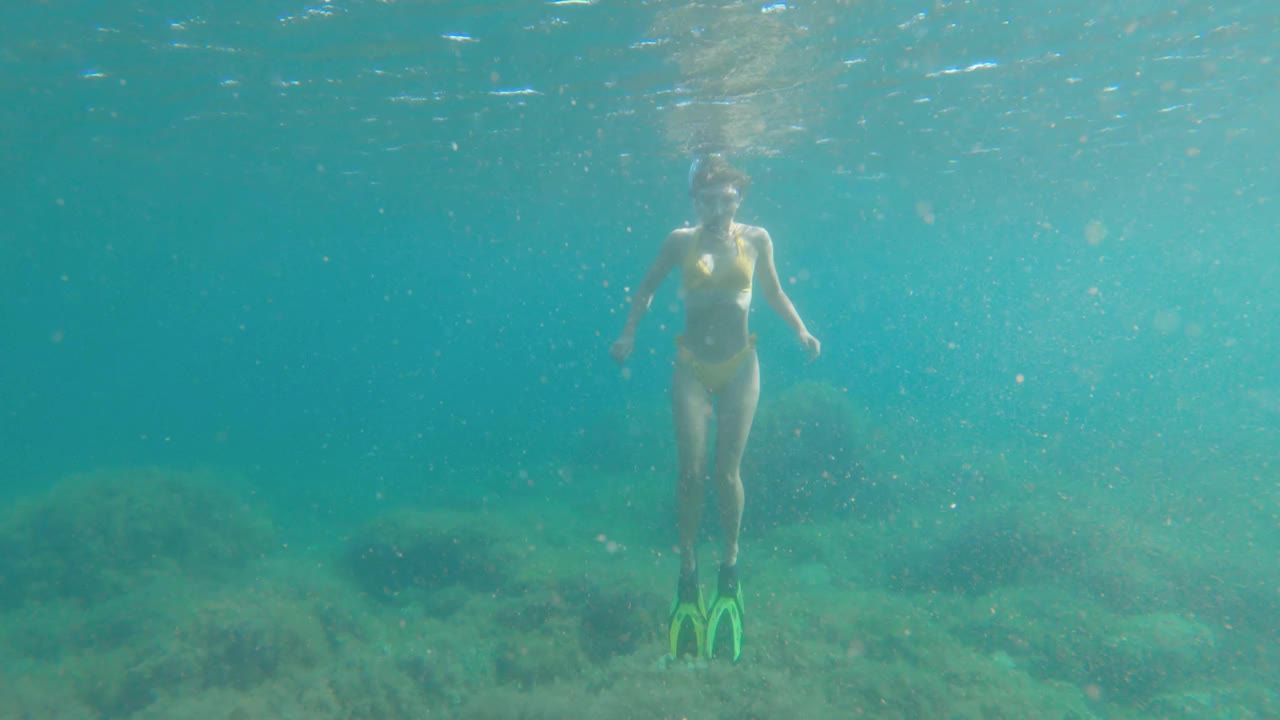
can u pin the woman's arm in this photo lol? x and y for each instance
(667, 259)
(774, 295)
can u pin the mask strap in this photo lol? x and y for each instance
(695, 166)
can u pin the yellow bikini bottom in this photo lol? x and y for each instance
(714, 376)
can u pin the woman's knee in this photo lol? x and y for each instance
(690, 480)
(729, 480)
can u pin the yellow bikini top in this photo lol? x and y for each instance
(700, 269)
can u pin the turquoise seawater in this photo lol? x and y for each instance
(307, 410)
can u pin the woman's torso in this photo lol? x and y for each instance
(716, 284)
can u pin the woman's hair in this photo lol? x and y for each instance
(713, 170)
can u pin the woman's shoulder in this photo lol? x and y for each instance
(677, 242)
(682, 236)
(753, 235)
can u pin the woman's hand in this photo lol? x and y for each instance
(622, 348)
(811, 345)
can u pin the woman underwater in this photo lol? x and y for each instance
(716, 370)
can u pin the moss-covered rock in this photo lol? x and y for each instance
(1151, 652)
(1239, 701)
(236, 641)
(410, 554)
(615, 623)
(539, 657)
(239, 644)
(996, 547)
(608, 623)
(808, 458)
(97, 535)
(1058, 635)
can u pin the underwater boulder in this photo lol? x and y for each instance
(540, 657)
(995, 548)
(101, 534)
(806, 459)
(1238, 701)
(1154, 651)
(612, 621)
(425, 552)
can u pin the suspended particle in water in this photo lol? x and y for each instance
(1095, 232)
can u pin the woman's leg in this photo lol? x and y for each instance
(737, 409)
(691, 406)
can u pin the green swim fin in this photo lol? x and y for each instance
(688, 632)
(725, 618)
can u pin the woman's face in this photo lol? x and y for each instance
(716, 203)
